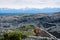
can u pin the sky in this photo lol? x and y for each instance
(17, 4)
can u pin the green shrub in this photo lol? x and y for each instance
(26, 27)
(16, 35)
(2, 38)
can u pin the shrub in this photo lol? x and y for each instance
(1, 37)
(14, 36)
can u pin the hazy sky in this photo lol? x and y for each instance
(29, 3)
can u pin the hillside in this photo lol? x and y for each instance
(49, 22)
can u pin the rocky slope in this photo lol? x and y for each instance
(49, 22)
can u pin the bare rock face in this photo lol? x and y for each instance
(38, 38)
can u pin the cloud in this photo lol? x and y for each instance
(29, 3)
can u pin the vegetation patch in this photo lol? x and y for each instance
(18, 34)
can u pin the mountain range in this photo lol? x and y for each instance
(8, 11)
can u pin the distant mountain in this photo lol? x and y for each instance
(3, 11)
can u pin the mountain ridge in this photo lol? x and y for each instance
(28, 10)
